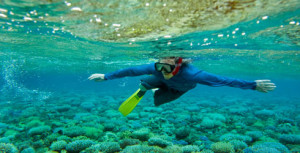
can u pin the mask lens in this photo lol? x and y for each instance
(167, 68)
(162, 66)
(159, 66)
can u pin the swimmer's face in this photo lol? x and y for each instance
(166, 75)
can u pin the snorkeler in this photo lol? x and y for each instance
(172, 77)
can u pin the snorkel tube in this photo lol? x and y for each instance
(177, 66)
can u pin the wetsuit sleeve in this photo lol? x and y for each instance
(206, 78)
(133, 71)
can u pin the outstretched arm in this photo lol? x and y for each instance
(206, 78)
(133, 71)
(210, 79)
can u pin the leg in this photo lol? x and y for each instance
(163, 96)
(148, 83)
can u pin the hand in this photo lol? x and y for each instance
(97, 77)
(264, 85)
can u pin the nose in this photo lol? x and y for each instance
(164, 72)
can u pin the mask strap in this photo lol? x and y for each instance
(178, 65)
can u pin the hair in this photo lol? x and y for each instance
(185, 61)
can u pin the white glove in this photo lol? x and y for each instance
(264, 85)
(97, 77)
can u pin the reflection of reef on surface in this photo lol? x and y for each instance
(147, 20)
(142, 20)
(288, 34)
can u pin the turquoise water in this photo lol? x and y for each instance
(48, 49)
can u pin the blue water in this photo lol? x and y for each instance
(46, 60)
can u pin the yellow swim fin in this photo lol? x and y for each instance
(128, 105)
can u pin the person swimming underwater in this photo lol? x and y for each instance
(174, 76)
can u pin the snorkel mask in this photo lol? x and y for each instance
(168, 68)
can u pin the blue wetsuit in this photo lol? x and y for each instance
(186, 79)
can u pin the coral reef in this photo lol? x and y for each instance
(79, 145)
(211, 130)
(155, 141)
(58, 145)
(107, 147)
(290, 139)
(8, 148)
(222, 147)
